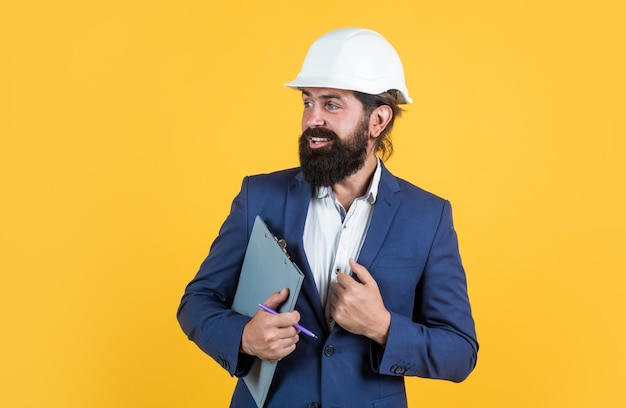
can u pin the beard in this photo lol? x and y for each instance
(333, 163)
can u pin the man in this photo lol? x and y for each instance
(384, 287)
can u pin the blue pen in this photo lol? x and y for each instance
(297, 326)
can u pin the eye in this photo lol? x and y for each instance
(308, 104)
(331, 106)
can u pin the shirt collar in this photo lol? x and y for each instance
(372, 191)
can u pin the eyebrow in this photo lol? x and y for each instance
(324, 96)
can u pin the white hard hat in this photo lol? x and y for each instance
(355, 59)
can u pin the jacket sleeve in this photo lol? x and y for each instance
(439, 341)
(204, 312)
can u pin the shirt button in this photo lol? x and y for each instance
(329, 351)
(314, 405)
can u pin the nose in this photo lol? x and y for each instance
(312, 117)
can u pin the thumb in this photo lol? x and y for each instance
(361, 272)
(277, 298)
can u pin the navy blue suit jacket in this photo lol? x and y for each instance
(410, 249)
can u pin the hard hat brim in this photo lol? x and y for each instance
(299, 83)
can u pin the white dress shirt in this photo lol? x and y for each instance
(332, 236)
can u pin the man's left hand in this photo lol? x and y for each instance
(358, 306)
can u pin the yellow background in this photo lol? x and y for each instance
(127, 126)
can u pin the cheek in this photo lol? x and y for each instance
(305, 119)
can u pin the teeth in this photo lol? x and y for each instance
(319, 139)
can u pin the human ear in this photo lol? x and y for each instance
(379, 119)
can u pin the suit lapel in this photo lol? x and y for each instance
(296, 209)
(384, 211)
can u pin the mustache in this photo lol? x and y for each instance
(318, 132)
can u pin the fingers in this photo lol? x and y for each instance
(356, 304)
(277, 298)
(280, 319)
(361, 276)
(271, 336)
(360, 271)
(275, 345)
(280, 349)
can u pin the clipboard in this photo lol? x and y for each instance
(266, 269)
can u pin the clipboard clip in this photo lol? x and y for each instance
(282, 244)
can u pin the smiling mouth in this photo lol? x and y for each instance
(317, 140)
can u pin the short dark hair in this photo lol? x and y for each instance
(371, 102)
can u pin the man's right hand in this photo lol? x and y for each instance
(271, 336)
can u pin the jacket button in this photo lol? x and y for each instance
(225, 364)
(314, 405)
(398, 370)
(329, 351)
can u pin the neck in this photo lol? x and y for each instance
(356, 185)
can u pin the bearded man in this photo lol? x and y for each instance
(384, 287)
